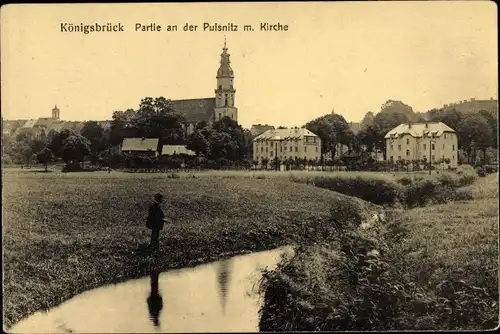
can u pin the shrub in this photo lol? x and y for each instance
(405, 180)
(376, 191)
(447, 180)
(489, 169)
(480, 172)
(173, 176)
(466, 179)
(422, 192)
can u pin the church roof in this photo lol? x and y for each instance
(196, 110)
(418, 129)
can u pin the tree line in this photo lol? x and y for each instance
(226, 143)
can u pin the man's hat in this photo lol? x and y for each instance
(158, 196)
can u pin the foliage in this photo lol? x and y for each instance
(377, 191)
(480, 172)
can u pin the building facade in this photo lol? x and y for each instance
(430, 141)
(287, 143)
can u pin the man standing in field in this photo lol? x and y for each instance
(155, 221)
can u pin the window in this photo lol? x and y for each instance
(399, 157)
(425, 146)
(445, 136)
(296, 149)
(266, 149)
(392, 158)
(305, 148)
(220, 117)
(316, 148)
(392, 147)
(399, 147)
(433, 158)
(407, 153)
(453, 147)
(443, 146)
(453, 158)
(271, 153)
(407, 141)
(262, 149)
(433, 147)
(291, 148)
(281, 149)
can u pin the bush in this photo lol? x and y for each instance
(372, 190)
(447, 180)
(466, 179)
(422, 193)
(480, 172)
(405, 180)
(490, 169)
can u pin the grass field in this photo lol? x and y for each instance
(66, 233)
(437, 269)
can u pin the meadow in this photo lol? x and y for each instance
(433, 267)
(64, 233)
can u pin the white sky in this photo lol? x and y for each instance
(349, 56)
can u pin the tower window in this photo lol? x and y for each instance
(220, 86)
(407, 141)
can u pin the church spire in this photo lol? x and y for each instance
(225, 70)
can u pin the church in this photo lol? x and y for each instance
(212, 109)
(208, 109)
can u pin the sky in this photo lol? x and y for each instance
(349, 57)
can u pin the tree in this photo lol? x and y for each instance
(493, 123)
(242, 141)
(475, 128)
(56, 141)
(324, 130)
(44, 157)
(121, 125)
(95, 134)
(222, 146)
(392, 114)
(265, 161)
(451, 118)
(157, 118)
(75, 149)
(198, 143)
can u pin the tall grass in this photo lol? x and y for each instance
(430, 268)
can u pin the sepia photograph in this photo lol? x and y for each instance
(250, 167)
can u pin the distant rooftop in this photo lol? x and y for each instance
(283, 134)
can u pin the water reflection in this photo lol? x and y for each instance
(214, 297)
(155, 302)
(223, 279)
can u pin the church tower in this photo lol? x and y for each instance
(225, 92)
(55, 113)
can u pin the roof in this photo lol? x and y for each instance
(258, 129)
(29, 123)
(418, 129)
(283, 134)
(140, 144)
(176, 149)
(196, 110)
(44, 121)
(355, 127)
